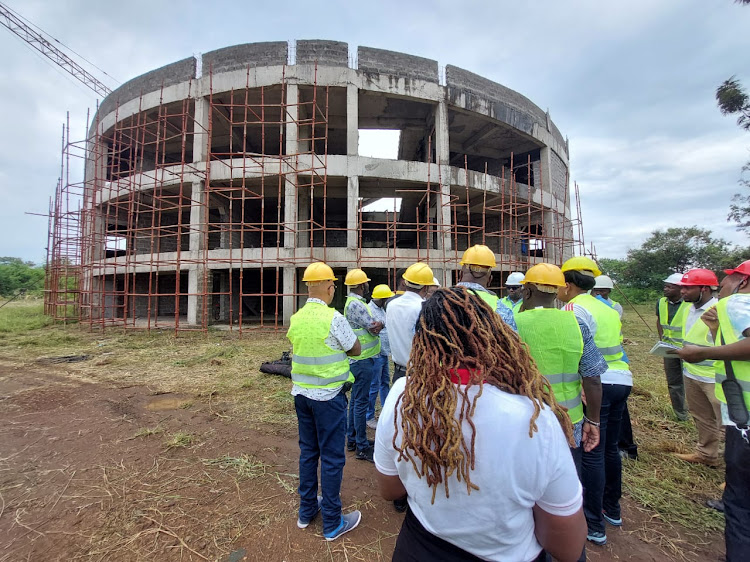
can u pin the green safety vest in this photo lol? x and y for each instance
(741, 368)
(672, 332)
(514, 306)
(490, 298)
(698, 335)
(608, 336)
(556, 344)
(314, 364)
(370, 343)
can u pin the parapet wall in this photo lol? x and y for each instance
(270, 53)
(324, 53)
(379, 61)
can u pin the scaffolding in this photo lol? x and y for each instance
(202, 213)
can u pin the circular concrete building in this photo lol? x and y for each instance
(212, 182)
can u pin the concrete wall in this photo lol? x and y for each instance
(476, 93)
(379, 61)
(559, 177)
(175, 73)
(325, 53)
(237, 57)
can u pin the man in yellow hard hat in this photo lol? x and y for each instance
(402, 313)
(401, 318)
(381, 381)
(729, 323)
(366, 328)
(321, 341)
(565, 353)
(476, 274)
(602, 467)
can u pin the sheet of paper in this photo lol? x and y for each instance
(660, 350)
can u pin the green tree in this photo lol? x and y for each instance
(16, 274)
(677, 250)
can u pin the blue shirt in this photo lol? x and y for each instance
(506, 314)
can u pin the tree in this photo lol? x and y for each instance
(677, 250)
(733, 99)
(16, 274)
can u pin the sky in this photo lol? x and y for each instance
(631, 84)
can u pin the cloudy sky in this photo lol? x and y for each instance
(630, 83)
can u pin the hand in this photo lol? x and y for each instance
(376, 328)
(590, 438)
(690, 353)
(711, 319)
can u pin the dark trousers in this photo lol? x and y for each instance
(322, 427)
(676, 387)
(398, 371)
(381, 384)
(737, 496)
(627, 442)
(602, 467)
(356, 432)
(577, 454)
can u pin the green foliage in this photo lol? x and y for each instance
(640, 276)
(733, 99)
(17, 275)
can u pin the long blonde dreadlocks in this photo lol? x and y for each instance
(457, 330)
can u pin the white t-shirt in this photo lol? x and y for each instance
(692, 317)
(513, 473)
(401, 318)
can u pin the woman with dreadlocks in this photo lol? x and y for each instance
(473, 435)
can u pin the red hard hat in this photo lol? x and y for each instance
(743, 268)
(699, 277)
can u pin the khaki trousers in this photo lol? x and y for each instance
(706, 411)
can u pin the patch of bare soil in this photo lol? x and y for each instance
(94, 472)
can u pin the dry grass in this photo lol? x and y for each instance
(220, 371)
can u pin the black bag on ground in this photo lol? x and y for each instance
(281, 366)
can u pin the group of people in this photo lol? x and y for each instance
(499, 428)
(708, 377)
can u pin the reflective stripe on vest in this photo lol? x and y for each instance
(369, 343)
(314, 364)
(672, 331)
(699, 335)
(556, 345)
(608, 330)
(741, 368)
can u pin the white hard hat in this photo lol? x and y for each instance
(515, 279)
(435, 282)
(674, 279)
(604, 282)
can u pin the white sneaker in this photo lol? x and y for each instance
(372, 424)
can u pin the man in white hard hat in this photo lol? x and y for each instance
(671, 311)
(514, 298)
(602, 290)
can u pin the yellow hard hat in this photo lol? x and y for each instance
(479, 254)
(545, 274)
(318, 271)
(356, 277)
(418, 274)
(382, 292)
(581, 263)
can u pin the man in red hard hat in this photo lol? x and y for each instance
(729, 323)
(697, 286)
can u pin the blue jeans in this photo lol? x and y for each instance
(602, 468)
(357, 427)
(322, 427)
(381, 383)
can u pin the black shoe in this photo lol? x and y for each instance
(351, 446)
(365, 454)
(718, 505)
(400, 505)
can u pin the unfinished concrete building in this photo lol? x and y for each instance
(212, 182)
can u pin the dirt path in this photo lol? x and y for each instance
(95, 472)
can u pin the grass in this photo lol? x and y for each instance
(148, 431)
(220, 371)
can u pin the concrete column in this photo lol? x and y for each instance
(288, 298)
(292, 150)
(546, 171)
(442, 151)
(352, 213)
(198, 217)
(303, 218)
(352, 120)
